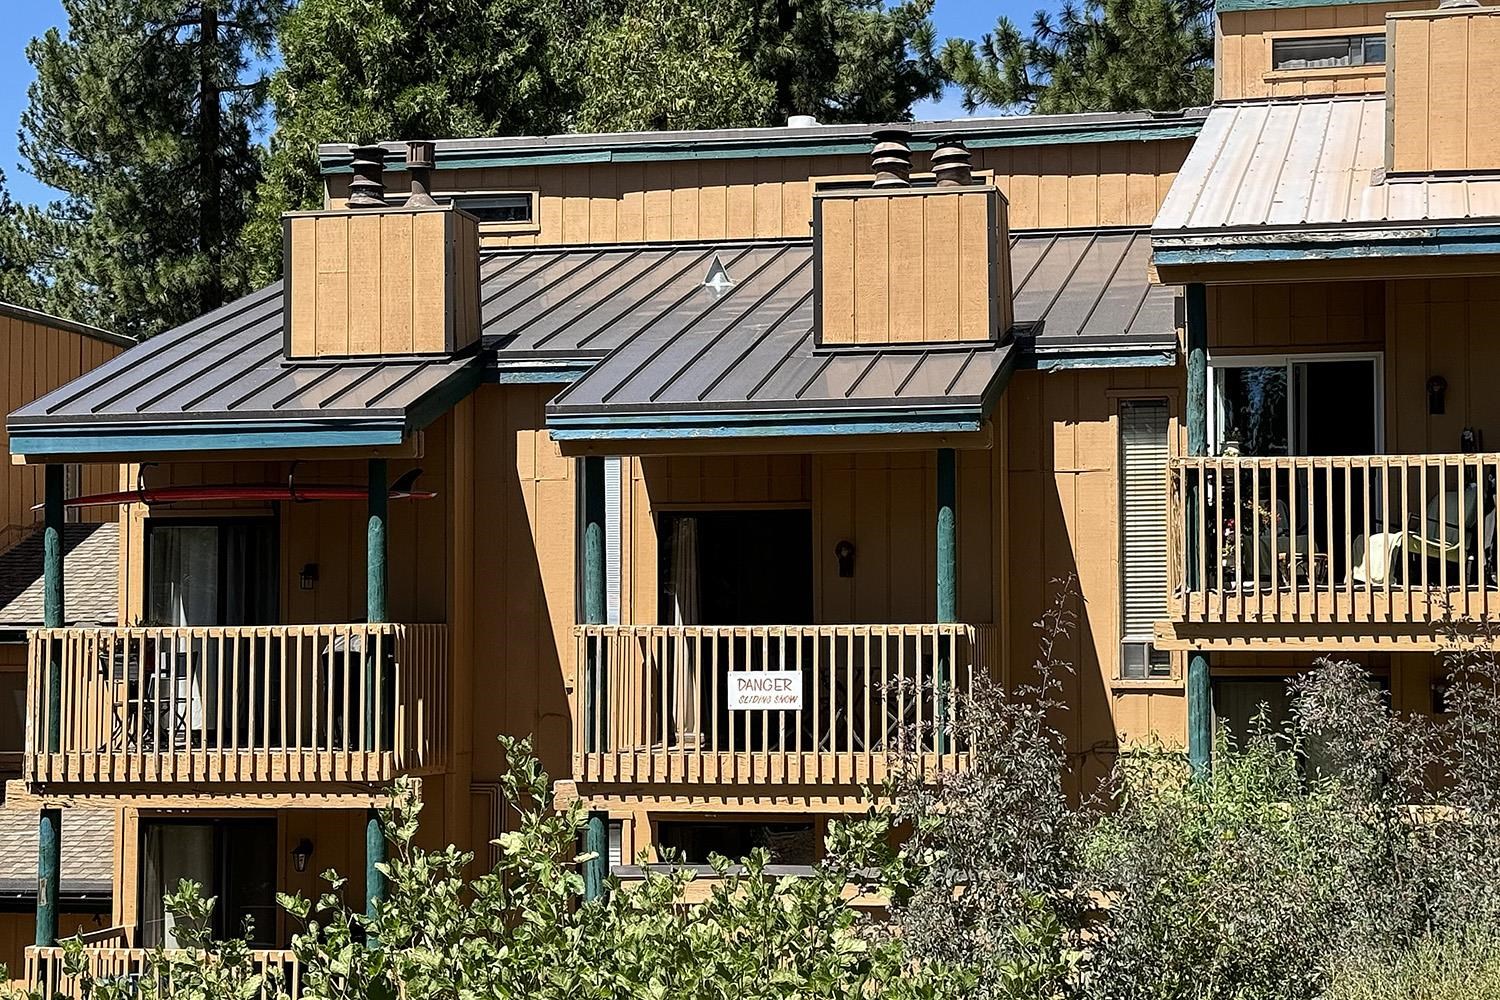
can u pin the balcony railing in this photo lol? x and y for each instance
(45, 972)
(294, 703)
(670, 704)
(1362, 539)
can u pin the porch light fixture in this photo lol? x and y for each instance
(308, 578)
(1437, 391)
(302, 854)
(844, 553)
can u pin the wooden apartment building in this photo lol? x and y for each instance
(38, 353)
(722, 436)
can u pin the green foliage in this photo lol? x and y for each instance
(143, 115)
(677, 64)
(1107, 55)
(366, 70)
(992, 879)
(360, 70)
(524, 929)
(1461, 967)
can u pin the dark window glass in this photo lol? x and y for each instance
(1330, 52)
(509, 208)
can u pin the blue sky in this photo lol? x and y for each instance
(27, 18)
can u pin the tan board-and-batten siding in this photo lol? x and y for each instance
(912, 265)
(1441, 110)
(384, 282)
(1242, 63)
(38, 353)
(1048, 186)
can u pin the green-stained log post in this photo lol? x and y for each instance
(1199, 690)
(947, 585)
(596, 842)
(596, 834)
(594, 601)
(49, 827)
(375, 611)
(374, 877)
(48, 863)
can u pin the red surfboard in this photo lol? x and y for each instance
(290, 490)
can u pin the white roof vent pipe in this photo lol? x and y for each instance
(801, 121)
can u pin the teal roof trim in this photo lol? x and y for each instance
(1230, 6)
(706, 148)
(1360, 244)
(198, 436)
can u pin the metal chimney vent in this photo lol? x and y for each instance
(718, 280)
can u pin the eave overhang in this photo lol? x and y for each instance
(1185, 256)
(924, 416)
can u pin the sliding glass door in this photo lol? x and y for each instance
(1297, 405)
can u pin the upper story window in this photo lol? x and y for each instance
(501, 209)
(1327, 51)
(508, 208)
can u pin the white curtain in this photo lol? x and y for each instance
(184, 591)
(686, 598)
(174, 851)
(185, 574)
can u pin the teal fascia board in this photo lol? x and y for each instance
(708, 425)
(822, 422)
(1230, 6)
(1152, 357)
(121, 439)
(1447, 242)
(559, 374)
(1166, 129)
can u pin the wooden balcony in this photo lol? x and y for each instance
(1358, 551)
(285, 703)
(654, 703)
(45, 971)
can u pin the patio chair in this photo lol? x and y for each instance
(1437, 536)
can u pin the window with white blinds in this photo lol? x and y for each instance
(1144, 448)
(613, 470)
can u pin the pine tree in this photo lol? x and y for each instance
(1108, 55)
(361, 70)
(143, 115)
(653, 64)
(369, 70)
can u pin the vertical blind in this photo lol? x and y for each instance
(1144, 450)
(613, 470)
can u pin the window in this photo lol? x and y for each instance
(1144, 447)
(233, 860)
(1327, 52)
(1275, 405)
(509, 208)
(211, 573)
(694, 843)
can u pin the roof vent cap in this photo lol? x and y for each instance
(1458, 4)
(801, 121)
(718, 280)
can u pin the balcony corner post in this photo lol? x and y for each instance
(375, 544)
(596, 843)
(375, 612)
(1199, 689)
(947, 584)
(594, 599)
(1200, 713)
(374, 878)
(49, 826)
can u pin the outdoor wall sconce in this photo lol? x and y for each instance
(844, 553)
(308, 578)
(302, 854)
(1470, 440)
(1437, 391)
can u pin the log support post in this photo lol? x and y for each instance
(1199, 689)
